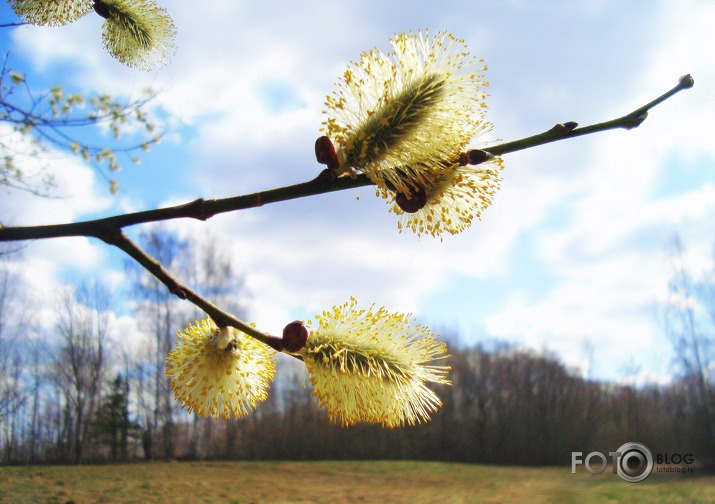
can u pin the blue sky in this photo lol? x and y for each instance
(572, 256)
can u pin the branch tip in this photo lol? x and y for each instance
(686, 81)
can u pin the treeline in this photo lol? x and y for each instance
(75, 393)
(505, 407)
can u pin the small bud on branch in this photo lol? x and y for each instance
(294, 336)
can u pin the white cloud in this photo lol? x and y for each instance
(608, 247)
(605, 302)
(249, 81)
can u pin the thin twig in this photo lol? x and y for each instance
(220, 317)
(569, 129)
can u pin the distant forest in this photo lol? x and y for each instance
(80, 397)
(505, 407)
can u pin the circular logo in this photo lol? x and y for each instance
(635, 463)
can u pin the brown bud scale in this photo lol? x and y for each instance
(325, 153)
(295, 336)
(477, 156)
(101, 9)
(412, 203)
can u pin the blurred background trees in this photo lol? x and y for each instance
(507, 405)
(690, 325)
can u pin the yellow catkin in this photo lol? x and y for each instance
(51, 12)
(454, 199)
(404, 117)
(373, 366)
(219, 372)
(138, 33)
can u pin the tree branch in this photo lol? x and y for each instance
(109, 229)
(204, 209)
(570, 130)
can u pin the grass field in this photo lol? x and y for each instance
(335, 482)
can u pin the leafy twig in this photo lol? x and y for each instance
(54, 117)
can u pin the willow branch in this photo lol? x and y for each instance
(204, 209)
(198, 209)
(570, 129)
(110, 231)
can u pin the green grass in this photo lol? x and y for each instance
(336, 482)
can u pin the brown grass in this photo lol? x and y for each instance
(335, 482)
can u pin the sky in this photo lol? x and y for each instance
(571, 258)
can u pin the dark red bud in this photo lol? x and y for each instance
(294, 336)
(101, 9)
(325, 153)
(476, 156)
(412, 203)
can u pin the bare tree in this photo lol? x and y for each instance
(37, 356)
(692, 334)
(13, 322)
(7, 395)
(83, 327)
(158, 308)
